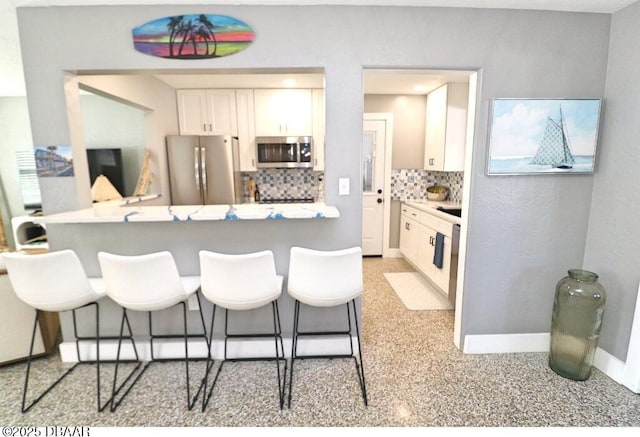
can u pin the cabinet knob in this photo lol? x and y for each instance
(379, 200)
(379, 191)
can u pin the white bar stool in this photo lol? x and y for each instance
(241, 283)
(326, 279)
(149, 283)
(56, 282)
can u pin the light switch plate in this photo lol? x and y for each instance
(343, 186)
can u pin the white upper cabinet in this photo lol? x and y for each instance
(246, 130)
(250, 113)
(207, 112)
(318, 129)
(283, 112)
(446, 127)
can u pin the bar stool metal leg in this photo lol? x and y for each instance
(78, 339)
(26, 381)
(115, 388)
(359, 369)
(358, 363)
(279, 349)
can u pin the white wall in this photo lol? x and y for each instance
(524, 232)
(613, 241)
(110, 124)
(15, 134)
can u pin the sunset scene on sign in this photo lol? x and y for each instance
(196, 36)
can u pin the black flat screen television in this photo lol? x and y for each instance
(107, 162)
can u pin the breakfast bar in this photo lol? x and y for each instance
(125, 229)
(114, 212)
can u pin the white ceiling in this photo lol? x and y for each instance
(606, 6)
(12, 80)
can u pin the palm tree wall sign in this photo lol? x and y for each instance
(194, 36)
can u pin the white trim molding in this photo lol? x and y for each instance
(506, 343)
(631, 374)
(169, 349)
(539, 342)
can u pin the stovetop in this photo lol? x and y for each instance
(288, 200)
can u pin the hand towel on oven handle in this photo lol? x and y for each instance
(438, 253)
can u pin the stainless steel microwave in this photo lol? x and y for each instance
(284, 152)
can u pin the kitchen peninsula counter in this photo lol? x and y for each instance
(134, 229)
(119, 213)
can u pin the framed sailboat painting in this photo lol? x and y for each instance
(543, 136)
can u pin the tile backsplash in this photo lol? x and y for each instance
(411, 184)
(279, 183)
(406, 184)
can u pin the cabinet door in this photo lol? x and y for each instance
(318, 129)
(221, 110)
(409, 234)
(409, 239)
(192, 112)
(16, 322)
(246, 130)
(207, 112)
(435, 129)
(440, 277)
(426, 249)
(446, 127)
(283, 112)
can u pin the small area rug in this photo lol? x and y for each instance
(416, 293)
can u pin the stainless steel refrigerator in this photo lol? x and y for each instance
(204, 170)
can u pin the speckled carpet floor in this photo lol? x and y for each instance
(415, 378)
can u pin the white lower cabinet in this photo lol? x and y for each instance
(418, 231)
(426, 252)
(409, 233)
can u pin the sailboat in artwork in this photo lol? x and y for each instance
(554, 146)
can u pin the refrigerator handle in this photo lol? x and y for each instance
(203, 166)
(196, 167)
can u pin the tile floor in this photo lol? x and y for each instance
(415, 378)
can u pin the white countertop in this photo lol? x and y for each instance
(119, 213)
(431, 206)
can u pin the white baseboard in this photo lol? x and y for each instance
(392, 253)
(609, 365)
(473, 344)
(517, 343)
(197, 349)
(505, 344)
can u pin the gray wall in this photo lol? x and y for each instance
(409, 117)
(524, 232)
(612, 243)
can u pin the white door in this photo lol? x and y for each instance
(373, 156)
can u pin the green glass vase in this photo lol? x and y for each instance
(578, 308)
